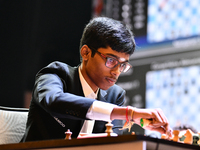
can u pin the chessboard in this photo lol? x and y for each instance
(186, 136)
(107, 142)
(176, 91)
(170, 19)
(108, 133)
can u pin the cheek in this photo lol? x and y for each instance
(98, 70)
(102, 71)
(94, 69)
(98, 73)
(97, 66)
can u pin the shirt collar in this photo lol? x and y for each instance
(87, 90)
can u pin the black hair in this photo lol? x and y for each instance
(102, 32)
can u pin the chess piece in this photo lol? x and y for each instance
(176, 135)
(68, 135)
(164, 136)
(109, 128)
(195, 139)
(199, 138)
(145, 122)
(188, 137)
(132, 133)
(181, 138)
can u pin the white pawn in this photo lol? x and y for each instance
(109, 130)
(68, 134)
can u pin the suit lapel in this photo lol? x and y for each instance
(102, 95)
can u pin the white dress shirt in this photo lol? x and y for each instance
(98, 110)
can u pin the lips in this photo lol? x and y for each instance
(111, 80)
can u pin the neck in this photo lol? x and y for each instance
(87, 79)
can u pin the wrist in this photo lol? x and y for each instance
(130, 113)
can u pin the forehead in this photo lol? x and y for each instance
(122, 57)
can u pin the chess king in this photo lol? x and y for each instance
(85, 97)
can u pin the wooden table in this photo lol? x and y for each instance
(124, 142)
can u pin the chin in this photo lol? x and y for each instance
(105, 87)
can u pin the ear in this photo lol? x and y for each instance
(85, 52)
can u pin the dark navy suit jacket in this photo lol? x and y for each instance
(58, 104)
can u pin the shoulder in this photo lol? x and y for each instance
(59, 68)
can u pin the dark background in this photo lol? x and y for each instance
(33, 34)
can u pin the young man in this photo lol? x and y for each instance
(84, 98)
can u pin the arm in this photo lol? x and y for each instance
(49, 94)
(159, 121)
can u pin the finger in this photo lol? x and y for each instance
(169, 133)
(155, 115)
(161, 115)
(155, 124)
(164, 119)
(159, 129)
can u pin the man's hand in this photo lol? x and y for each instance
(157, 120)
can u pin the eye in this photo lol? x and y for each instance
(111, 61)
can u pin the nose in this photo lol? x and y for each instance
(116, 71)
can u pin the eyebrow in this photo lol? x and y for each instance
(118, 58)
